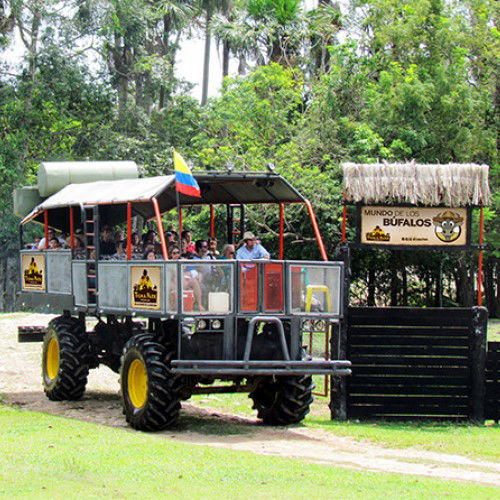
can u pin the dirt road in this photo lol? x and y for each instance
(20, 385)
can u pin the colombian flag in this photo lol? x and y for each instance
(185, 182)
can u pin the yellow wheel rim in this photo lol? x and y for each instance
(137, 382)
(52, 358)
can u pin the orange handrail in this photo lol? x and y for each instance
(160, 228)
(316, 230)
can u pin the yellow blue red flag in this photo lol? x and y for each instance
(184, 180)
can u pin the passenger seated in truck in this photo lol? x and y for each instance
(185, 254)
(135, 242)
(186, 236)
(54, 244)
(118, 236)
(78, 249)
(120, 251)
(150, 255)
(251, 250)
(190, 282)
(51, 234)
(212, 248)
(107, 246)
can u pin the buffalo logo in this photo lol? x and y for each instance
(378, 234)
(32, 275)
(144, 291)
(448, 226)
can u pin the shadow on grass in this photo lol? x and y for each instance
(213, 425)
(427, 426)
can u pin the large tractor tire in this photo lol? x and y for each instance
(150, 392)
(65, 359)
(283, 400)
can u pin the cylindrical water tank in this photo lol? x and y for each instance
(25, 200)
(53, 176)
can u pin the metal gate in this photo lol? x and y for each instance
(416, 363)
(492, 400)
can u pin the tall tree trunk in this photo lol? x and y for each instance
(165, 42)
(206, 57)
(139, 90)
(225, 58)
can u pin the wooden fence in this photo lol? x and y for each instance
(416, 363)
(492, 401)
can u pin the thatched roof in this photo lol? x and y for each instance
(454, 184)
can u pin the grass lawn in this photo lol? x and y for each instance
(45, 457)
(481, 442)
(494, 330)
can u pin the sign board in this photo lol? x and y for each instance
(145, 287)
(33, 272)
(414, 226)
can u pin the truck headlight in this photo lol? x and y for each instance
(216, 324)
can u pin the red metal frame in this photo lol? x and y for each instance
(316, 230)
(212, 222)
(282, 230)
(273, 279)
(480, 259)
(160, 228)
(129, 231)
(317, 233)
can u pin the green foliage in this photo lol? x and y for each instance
(420, 82)
(252, 119)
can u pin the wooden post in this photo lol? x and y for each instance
(477, 360)
(338, 341)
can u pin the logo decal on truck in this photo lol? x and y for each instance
(33, 277)
(146, 287)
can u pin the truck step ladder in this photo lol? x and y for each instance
(91, 241)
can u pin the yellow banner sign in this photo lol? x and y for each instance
(33, 271)
(414, 226)
(145, 283)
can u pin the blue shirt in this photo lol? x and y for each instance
(257, 252)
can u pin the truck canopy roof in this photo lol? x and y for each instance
(113, 196)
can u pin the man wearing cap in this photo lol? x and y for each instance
(251, 250)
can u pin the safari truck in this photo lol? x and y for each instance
(246, 335)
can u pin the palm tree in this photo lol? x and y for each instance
(265, 30)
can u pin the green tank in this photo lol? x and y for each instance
(53, 176)
(26, 198)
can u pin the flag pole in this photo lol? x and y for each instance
(179, 212)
